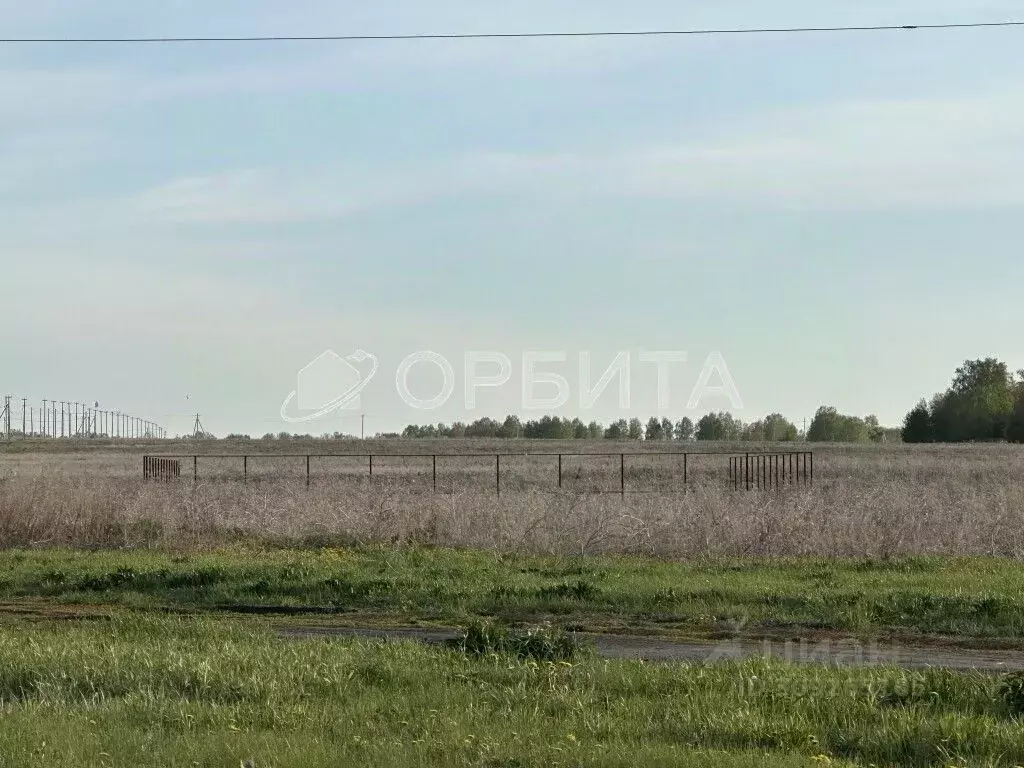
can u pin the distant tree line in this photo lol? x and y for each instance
(985, 402)
(284, 436)
(712, 427)
(828, 426)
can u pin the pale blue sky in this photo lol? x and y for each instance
(837, 215)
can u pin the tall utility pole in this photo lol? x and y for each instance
(24, 425)
(7, 416)
(362, 427)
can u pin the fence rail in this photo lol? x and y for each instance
(159, 468)
(597, 473)
(768, 471)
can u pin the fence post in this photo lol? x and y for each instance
(371, 465)
(497, 473)
(812, 469)
(746, 471)
(622, 474)
(435, 472)
(559, 471)
(245, 468)
(686, 471)
(195, 469)
(307, 470)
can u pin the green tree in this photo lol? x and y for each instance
(595, 431)
(685, 430)
(979, 404)
(917, 426)
(1015, 430)
(512, 428)
(667, 429)
(876, 432)
(618, 430)
(774, 428)
(982, 399)
(484, 427)
(830, 426)
(636, 429)
(719, 427)
(654, 430)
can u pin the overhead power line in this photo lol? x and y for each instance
(510, 35)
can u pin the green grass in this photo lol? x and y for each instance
(142, 691)
(976, 598)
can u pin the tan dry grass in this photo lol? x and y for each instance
(874, 502)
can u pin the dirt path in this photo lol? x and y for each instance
(841, 653)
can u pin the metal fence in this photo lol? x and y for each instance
(771, 471)
(500, 473)
(158, 468)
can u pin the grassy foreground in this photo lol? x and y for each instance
(185, 691)
(970, 598)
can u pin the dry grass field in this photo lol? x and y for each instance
(163, 648)
(871, 501)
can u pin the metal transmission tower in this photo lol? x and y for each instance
(198, 432)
